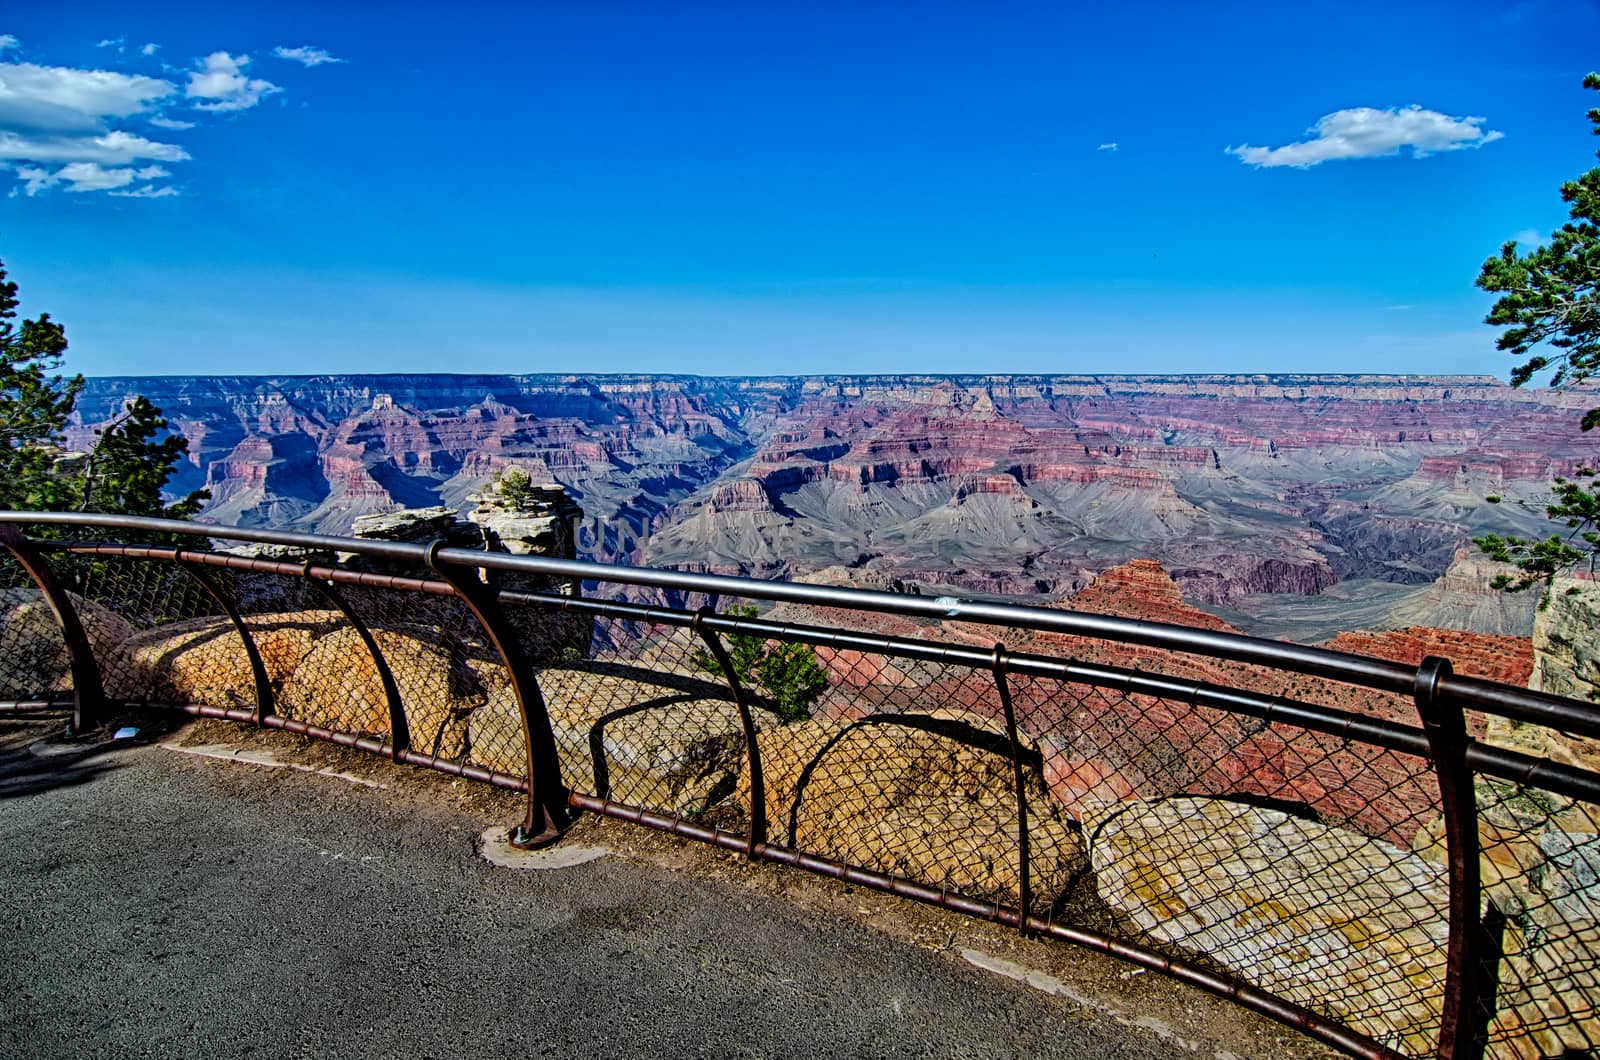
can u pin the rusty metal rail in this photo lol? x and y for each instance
(1397, 860)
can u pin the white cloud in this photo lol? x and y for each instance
(34, 180)
(55, 123)
(111, 42)
(85, 176)
(112, 148)
(60, 99)
(91, 176)
(220, 80)
(1108, 147)
(1528, 238)
(306, 55)
(147, 191)
(91, 130)
(1366, 132)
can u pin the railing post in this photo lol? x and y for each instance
(548, 813)
(399, 728)
(1024, 878)
(258, 669)
(758, 789)
(88, 693)
(1464, 1021)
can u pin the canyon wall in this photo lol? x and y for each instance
(1241, 486)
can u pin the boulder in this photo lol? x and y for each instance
(33, 655)
(1346, 925)
(336, 685)
(928, 798)
(668, 743)
(202, 660)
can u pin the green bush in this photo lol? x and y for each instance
(789, 674)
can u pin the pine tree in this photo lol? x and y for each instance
(1550, 307)
(35, 402)
(131, 464)
(132, 460)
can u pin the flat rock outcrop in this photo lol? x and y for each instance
(929, 799)
(672, 744)
(1323, 916)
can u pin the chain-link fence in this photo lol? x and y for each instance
(1277, 825)
(34, 665)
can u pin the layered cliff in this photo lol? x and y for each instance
(1011, 485)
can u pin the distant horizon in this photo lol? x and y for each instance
(953, 376)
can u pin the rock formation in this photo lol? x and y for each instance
(1566, 641)
(1244, 487)
(1323, 916)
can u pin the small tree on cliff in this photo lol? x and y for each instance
(513, 485)
(788, 673)
(132, 460)
(1550, 307)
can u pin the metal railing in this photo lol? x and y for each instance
(1397, 860)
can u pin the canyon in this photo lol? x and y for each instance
(1289, 505)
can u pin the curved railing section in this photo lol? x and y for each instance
(1397, 860)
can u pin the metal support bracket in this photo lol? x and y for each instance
(399, 728)
(549, 814)
(1019, 779)
(258, 671)
(758, 789)
(88, 692)
(1464, 1022)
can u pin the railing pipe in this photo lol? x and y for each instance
(1376, 673)
(1461, 1024)
(1369, 672)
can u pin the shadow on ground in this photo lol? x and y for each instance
(38, 753)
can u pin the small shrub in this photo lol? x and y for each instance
(789, 674)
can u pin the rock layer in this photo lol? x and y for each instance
(1017, 485)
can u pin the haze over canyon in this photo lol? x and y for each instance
(1293, 506)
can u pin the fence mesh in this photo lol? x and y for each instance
(176, 644)
(1539, 856)
(33, 654)
(453, 689)
(1307, 865)
(1282, 856)
(648, 719)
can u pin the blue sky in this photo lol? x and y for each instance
(757, 188)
